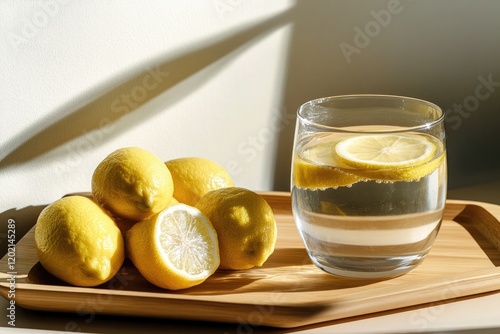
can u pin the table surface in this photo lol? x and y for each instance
(477, 314)
(455, 317)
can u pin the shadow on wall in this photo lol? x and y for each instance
(99, 113)
(103, 111)
(338, 47)
(444, 52)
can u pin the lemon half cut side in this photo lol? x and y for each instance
(174, 249)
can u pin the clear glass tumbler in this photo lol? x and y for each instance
(369, 182)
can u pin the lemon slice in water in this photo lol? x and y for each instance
(316, 167)
(390, 157)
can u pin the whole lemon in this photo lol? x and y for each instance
(245, 225)
(132, 184)
(193, 177)
(78, 242)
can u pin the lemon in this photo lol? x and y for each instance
(312, 176)
(193, 177)
(132, 184)
(125, 225)
(173, 201)
(316, 167)
(390, 157)
(78, 242)
(245, 226)
(175, 249)
(385, 151)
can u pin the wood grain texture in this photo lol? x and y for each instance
(288, 290)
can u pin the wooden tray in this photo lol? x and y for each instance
(288, 290)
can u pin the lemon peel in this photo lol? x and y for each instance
(311, 176)
(317, 168)
(193, 177)
(245, 226)
(132, 184)
(78, 242)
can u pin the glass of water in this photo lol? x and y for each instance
(369, 182)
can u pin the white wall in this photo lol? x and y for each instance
(83, 78)
(223, 79)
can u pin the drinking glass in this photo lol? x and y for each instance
(368, 182)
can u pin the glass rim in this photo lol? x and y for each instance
(423, 126)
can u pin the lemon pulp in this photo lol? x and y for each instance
(330, 160)
(174, 249)
(385, 151)
(188, 241)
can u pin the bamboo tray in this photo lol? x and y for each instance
(288, 291)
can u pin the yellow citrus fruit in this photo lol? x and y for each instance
(125, 225)
(312, 176)
(193, 177)
(78, 242)
(245, 226)
(132, 184)
(316, 167)
(175, 249)
(173, 201)
(390, 157)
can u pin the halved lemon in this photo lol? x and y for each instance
(316, 167)
(390, 157)
(174, 249)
